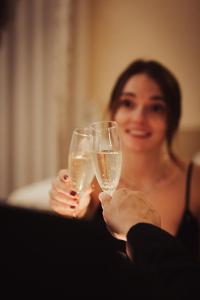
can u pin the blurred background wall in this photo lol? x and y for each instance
(59, 60)
(35, 56)
(168, 31)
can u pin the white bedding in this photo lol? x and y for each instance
(35, 195)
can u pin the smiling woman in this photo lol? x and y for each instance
(142, 100)
(146, 103)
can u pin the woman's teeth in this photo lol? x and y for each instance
(140, 133)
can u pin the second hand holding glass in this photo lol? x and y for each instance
(107, 156)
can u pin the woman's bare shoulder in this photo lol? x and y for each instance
(196, 175)
(196, 187)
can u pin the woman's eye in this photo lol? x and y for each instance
(157, 108)
(126, 103)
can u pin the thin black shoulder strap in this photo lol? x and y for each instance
(188, 185)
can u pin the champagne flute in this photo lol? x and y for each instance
(107, 155)
(80, 165)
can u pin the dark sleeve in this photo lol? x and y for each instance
(164, 258)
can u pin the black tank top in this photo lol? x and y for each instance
(188, 231)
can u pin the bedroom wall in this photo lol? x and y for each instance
(168, 31)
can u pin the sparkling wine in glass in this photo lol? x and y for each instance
(80, 165)
(107, 155)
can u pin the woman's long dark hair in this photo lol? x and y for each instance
(168, 85)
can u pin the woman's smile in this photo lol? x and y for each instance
(138, 133)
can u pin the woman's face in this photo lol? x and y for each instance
(142, 114)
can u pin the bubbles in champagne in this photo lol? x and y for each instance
(80, 171)
(108, 168)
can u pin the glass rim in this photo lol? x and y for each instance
(84, 131)
(113, 124)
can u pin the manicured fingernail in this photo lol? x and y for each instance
(65, 177)
(72, 206)
(73, 193)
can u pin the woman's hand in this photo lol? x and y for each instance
(64, 200)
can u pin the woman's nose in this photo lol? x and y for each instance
(138, 114)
